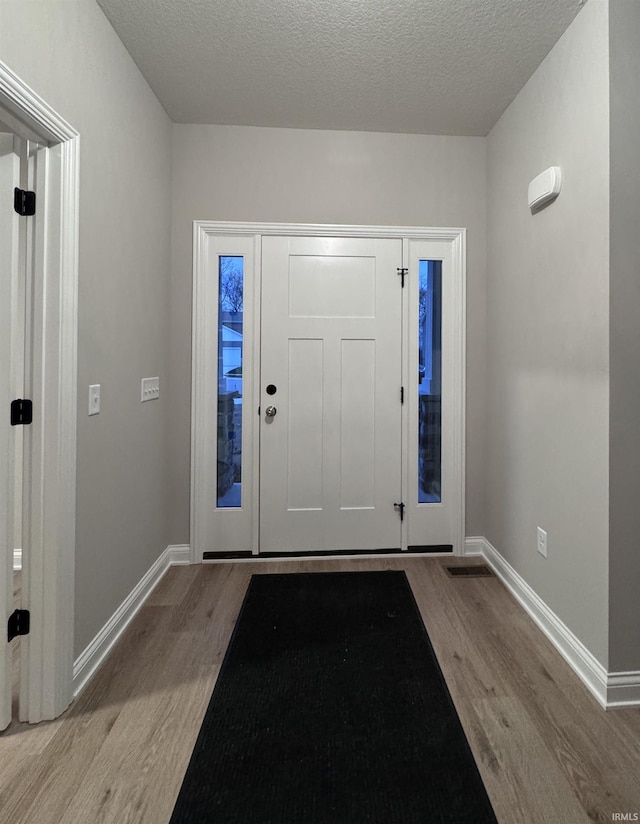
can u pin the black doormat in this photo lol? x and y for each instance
(331, 707)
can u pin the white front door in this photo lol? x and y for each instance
(330, 412)
(305, 344)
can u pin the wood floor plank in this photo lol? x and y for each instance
(115, 790)
(520, 773)
(546, 751)
(464, 656)
(543, 681)
(171, 589)
(41, 793)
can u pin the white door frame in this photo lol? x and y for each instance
(49, 510)
(205, 236)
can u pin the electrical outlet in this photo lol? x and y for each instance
(94, 399)
(149, 389)
(542, 542)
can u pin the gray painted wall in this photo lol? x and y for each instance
(548, 332)
(300, 176)
(624, 533)
(539, 393)
(69, 54)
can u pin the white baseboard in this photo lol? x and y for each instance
(17, 560)
(473, 546)
(623, 690)
(90, 659)
(179, 554)
(611, 689)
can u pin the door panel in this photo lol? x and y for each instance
(304, 436)
(357, 424)
(330, 457)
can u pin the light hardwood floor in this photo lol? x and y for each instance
(548, 754)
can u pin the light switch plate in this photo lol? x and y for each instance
(94, 399)
(149, 389)
(541, 541)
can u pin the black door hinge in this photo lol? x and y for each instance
(400, 507)
(24, 202)
(21, 412)
(18, 623)
(402, 394)
(403, 273)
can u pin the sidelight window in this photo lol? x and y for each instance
(230, 351)
(430, 382)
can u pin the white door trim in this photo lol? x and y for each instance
(213, 227)
(203, 230)
(49, 557)
(459, 252)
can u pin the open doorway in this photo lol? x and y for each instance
(18, 158)
(13, 172)
(38, 331)
(12, 282)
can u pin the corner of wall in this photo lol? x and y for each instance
(547, 428)
(624, 406)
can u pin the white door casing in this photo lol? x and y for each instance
(9, 308)
(223, 531)
(330, 458)
(50, 445)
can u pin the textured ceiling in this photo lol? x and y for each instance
(418, 66)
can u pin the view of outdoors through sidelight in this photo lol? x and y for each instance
(430, 382)
(230, 298)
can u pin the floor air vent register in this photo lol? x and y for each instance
(477, 571)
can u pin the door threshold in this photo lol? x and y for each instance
(439, 549)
